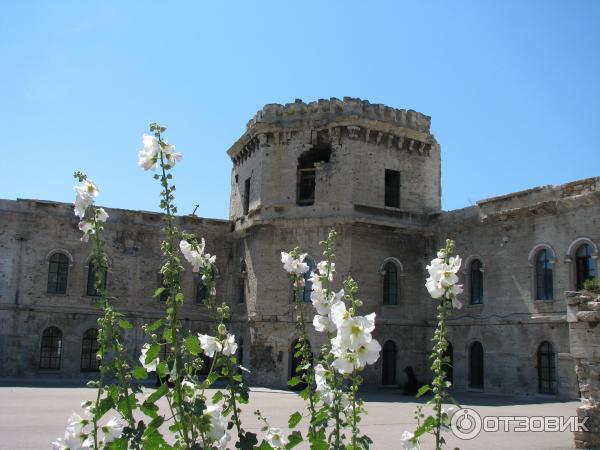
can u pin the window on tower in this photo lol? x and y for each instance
(246, 199)
(306, 173)
(392, 188)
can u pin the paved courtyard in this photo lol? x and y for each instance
(31, 417)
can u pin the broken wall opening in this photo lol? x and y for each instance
(306, 178)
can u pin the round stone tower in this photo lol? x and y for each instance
(346, 158)
(371, 172)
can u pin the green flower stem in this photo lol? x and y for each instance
(308, 374)
(171, 277)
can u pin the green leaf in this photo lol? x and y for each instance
(155, 326)
(423, 390)
(217, 397)
(294, 439)
(161, 391)
(295, 381)
(294, 420)
(247, 441)
(162, 369)
(139, 373)
(168, 335)
(158, 292)
(125, 324)
(152, 353)
(192, 345)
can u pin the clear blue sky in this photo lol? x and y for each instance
(513, 87)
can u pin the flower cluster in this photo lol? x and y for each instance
(194, 254)
(86, 191)
(353, 345)
(211, 345)
(443, 279)
(217, 432)
(294, 265)
(150, 154)
(77, 438)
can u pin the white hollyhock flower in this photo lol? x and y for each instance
(151, 366)
(275, 438)
(197, 258)
(294, 265)
(218, 424)
(367, 354)
(85, 191)
(148, 156)
(354, 332)
(209, 344)
(113, 429)
(101, 215)
(323, 324)
(229, 345)
(72, 438)
(171, 156)
(344, 363)
(323, 302)
(406, 442)
(87, 230)
(322, 268)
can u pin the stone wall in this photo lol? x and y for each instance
(583, 315)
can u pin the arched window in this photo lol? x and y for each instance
(390, 284)
(51, 348)
(307, 283)
(585, 265)
(91, 280)
(476, 366)
(476, 282)
(89, 347)
(58, 272)
(449, 363)
(388, 363)
(544, 275)
(546, 369)
(242, 282)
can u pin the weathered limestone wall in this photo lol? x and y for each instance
(583, 315)
(30, 231)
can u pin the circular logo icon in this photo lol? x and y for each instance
(465, 423)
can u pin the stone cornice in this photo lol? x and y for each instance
(354, 119)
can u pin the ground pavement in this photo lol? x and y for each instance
(32, 416)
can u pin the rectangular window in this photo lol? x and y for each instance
(392, 188)
(306, 187)
(246, 198)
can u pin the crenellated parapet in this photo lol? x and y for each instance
(312, 113)
(333, 120)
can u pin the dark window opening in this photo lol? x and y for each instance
(246, 199)
(476, 366)
(89, 348)
(476, 291)
(306, 173)
(543, 275)
(92, 289)
(241, 287)
(51, 348)
(390, 284)
(392, 188)
(585, 265)
(58, 271)
(388, 365)
(546, 369)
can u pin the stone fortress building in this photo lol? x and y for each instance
(372, 172)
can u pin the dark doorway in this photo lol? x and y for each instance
(546, 369)
(388, 365)
(476, 366)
